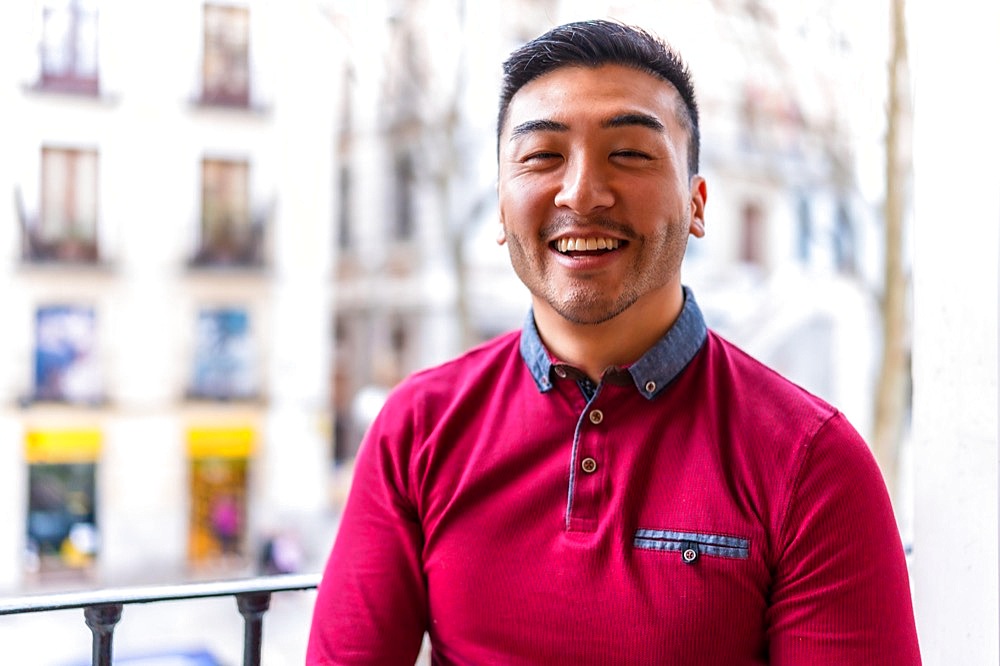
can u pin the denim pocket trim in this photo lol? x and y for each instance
(708, 544)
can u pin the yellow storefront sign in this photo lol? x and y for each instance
(62, 446)
(220, 442)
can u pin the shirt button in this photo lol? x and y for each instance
(650, 386)
(561, 371)
(689, 554)
(588, 465)
(596, 416)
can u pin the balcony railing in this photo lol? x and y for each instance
(102, 609)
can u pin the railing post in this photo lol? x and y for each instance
(252, 606)
(102, 620)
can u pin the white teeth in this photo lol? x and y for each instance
(591, 244)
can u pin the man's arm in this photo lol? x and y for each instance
(371, 606)
(841, 590)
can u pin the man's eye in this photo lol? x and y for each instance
(541, 156)
(631, 154)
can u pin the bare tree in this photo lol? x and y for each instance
(891, 392)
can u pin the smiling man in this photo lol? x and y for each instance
(614, 483)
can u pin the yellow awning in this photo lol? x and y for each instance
(62, 446)
(220, 442)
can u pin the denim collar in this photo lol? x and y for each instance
(654, 369)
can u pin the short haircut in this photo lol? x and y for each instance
(596, 43)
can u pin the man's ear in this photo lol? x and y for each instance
(699, 195)
(501, 233)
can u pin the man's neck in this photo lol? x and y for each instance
(619, 341)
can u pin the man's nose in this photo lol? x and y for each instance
(585, 186)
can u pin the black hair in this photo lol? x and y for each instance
(596, 43)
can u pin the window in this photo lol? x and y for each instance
(752, 245)
(346, 354)
(345, 238)
(228, 235)
(223, 357)
(805, 229)
(226, 65)
(66, 364)
(62, 515)
(67, 228)
(403, 218)
(69, 46)
(399, 346)
(843, 240)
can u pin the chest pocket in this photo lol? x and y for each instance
(692, 545)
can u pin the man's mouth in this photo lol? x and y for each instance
(577, 245)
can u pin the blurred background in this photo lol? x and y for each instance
(232, 226)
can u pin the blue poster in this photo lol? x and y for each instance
(66, 364)
(223, 357)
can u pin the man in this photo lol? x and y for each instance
(614, 484)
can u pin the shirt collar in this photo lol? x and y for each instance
(654, 369)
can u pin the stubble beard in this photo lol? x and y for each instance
(656, 262)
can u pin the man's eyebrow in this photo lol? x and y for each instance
(621, 120)
(538, 126)
(630, 119)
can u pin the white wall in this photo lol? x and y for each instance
(957, 246)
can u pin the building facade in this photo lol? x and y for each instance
(236, 224)
(166, 284)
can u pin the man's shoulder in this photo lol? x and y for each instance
(759, 398)
(754, 381)
(780, 423)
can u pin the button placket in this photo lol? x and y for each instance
(588, 464)
(590, 486)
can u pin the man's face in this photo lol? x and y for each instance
(595, 200)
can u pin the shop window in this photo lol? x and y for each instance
(229, 235)
(62, 500)
(219, 461)
(66, 363)
(224, 366)
(66, 229)
(226, 59)
(69, 46)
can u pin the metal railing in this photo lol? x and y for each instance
(102, 609)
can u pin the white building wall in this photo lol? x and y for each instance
(151, 136)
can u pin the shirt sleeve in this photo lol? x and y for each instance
(371, 606)
(841, 591)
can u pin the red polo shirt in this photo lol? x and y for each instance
(694, 508)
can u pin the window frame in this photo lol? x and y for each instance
(73, 44)
(225, 63)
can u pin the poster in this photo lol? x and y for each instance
(223, 356)
(66, 364)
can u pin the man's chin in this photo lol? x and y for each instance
(588, 314)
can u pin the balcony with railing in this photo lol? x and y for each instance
(104, 608)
